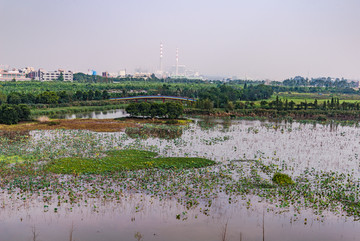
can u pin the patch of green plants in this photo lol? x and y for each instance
(282, 179)
(11, 159)
(121, 160)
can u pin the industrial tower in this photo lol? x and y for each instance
(177, 62)
(161, 57)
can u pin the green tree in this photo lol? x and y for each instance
(132, 109)
(8, 114)
(174, 110)
(230, 106)
(158, 110)
(97, 95)
(90, 94)
(23, 112)
(61, 77)
(14, 98)
(47, 97)
(64, 97)
(3, 98)
(105, 95)
(144, 108)
(263, 103)
(78, 95)
(205, 104)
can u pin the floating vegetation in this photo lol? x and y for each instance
(116, 161)
(282, 179)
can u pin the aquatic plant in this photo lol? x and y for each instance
(282, 179)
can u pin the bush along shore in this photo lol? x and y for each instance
(258, 113)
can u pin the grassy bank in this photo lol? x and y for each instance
(310, 114)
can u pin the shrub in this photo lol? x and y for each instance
(321, 118)
(12, 114)
(9, 114)
(282, 179)
(24, 112)
(170, 109)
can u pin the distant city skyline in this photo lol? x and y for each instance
(259, 39)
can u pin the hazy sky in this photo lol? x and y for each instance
(260, 39)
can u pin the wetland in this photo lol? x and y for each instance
(206, 180)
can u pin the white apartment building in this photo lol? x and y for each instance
(43, 75)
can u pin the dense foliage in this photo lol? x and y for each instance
(320, 82)
(282, 179)
(333, 104)
(224, 95)
(52, 97)
(170, 110)
(12, 114)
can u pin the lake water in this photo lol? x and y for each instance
(108, 114)
(137, 215)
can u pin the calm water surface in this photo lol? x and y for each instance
(108, 114)
(293, 147)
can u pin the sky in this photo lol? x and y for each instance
(254, 39)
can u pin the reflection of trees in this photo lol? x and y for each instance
(209, 123)
(161, 131)
(138, 236)
(34, 233)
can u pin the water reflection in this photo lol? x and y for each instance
(210, 123)
(156, 220)
(155, 131)
(108, 114)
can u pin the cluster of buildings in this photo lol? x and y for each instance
(178, 71)
(29, 73)
(15, 74)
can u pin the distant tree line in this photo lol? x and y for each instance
(52, 97)
(225, 96)
(320, 82)
(85, 78)
(333, 104)
(171, 110)
(331, 90)
(12, 114)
